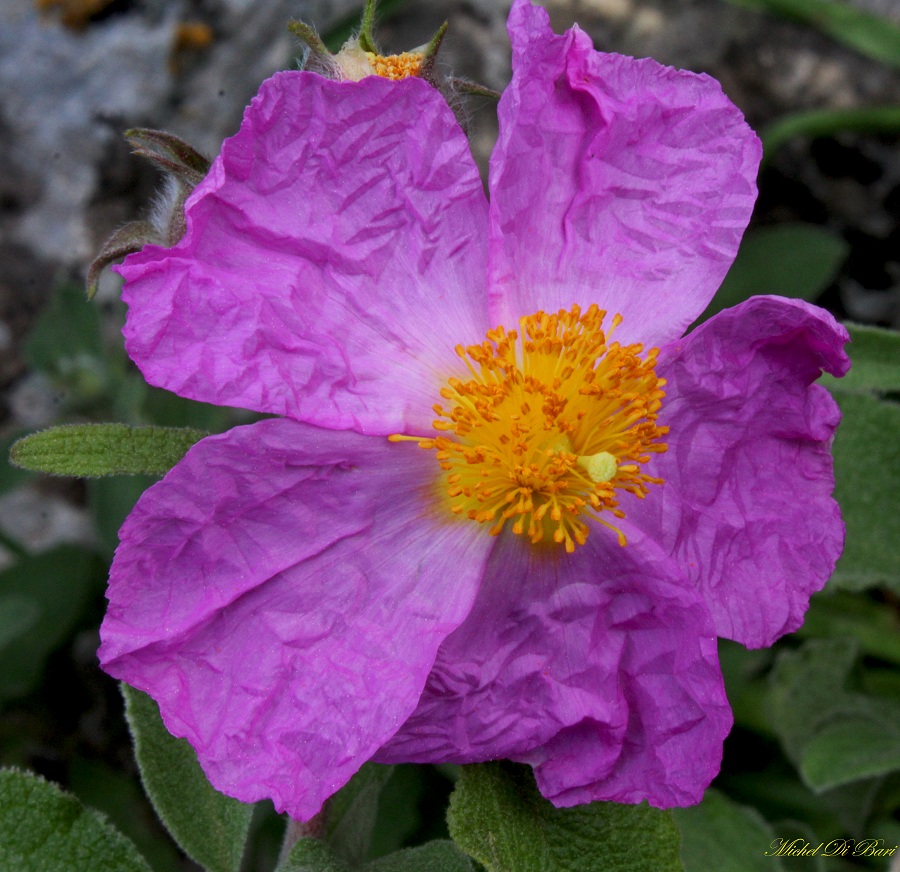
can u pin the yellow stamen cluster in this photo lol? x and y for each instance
(400, 66)
(554, 420)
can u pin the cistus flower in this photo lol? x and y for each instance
(508, 506)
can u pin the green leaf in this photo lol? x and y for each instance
(862, 749)
(103, 449)
(18, 615)
(42, 598)
(400, 807)
(827, 122)
(350, 815)
(792, 260)
(867, 480)
(11, 476)
(311, 855)
(875, 353)
(43, 829)
(498, 817)
(832, 730)
(209, 827)
(875, 626)
(872, 35)
(744, 673)
(117, 794)
(69, 328)
(722, 835)
(438, 856)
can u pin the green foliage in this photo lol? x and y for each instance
(43, 829)
(874, 626)
(872, 35)
(116, 793)
(438, 856)
(792, 260)
(351, 814)
(498, 817)
(313, 855)
(830, 727)
(42, 598)
(344, 828)
(867, 473)
(867, 460)
(67, 332)
(209, 827)
(827, 122)
(11, 476)
(722, 835)
(875, 353)
(92, 450)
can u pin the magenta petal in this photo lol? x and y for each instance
(746, 507)
(614, 181)
(597, 667)
(334, 257)
(282, 594)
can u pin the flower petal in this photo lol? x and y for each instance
(282, 593)
(746, 508)
(614, 181)
(597, 667)
(334, 256)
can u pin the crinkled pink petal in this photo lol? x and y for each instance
(614, 181)
(282, 593)
(334, 257)
(746, 508)
(597, 667)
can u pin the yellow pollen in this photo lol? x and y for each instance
(400, 66)
(553, 423)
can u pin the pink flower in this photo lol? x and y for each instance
(305, 594)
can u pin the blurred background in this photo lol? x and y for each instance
(819, 79)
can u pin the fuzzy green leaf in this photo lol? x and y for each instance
(833, 730)
(875, 353)
(792, 260)
(439, 856)
(835, 614)
(314, 855)
(867, 459)
(42, 598)
(209, 827)
(311, 855)
(351, 814)
(867, 480)
(43, 829)
(91, 450)
(722, 835)
(498, 817)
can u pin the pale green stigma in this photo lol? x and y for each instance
(601, 467)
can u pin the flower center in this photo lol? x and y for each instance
(554, 421)
(400, 66)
